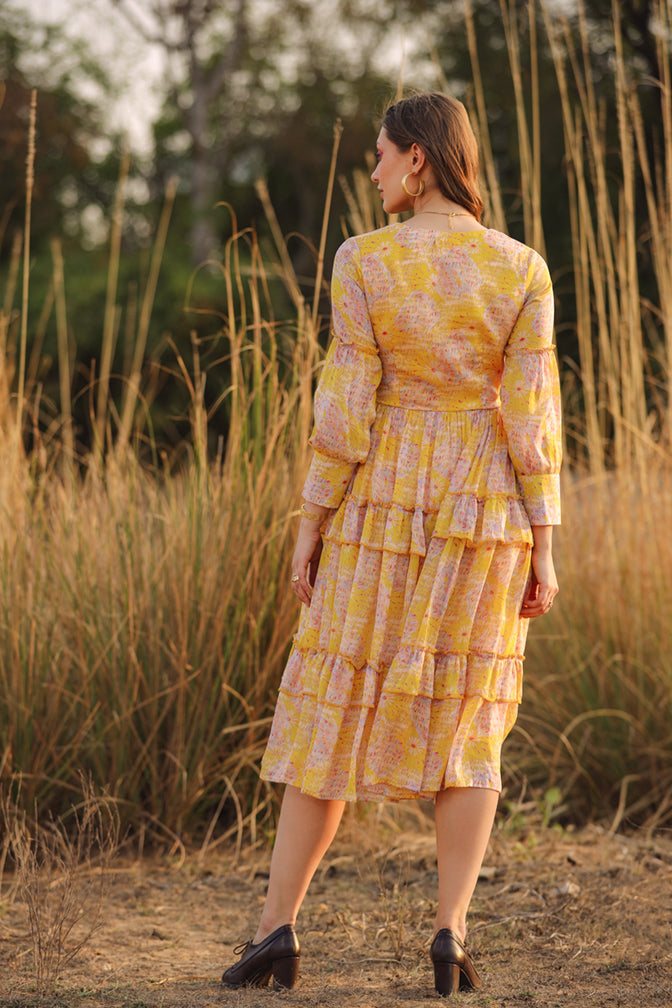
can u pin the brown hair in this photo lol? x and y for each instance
(440, 126)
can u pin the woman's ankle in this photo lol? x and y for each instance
(457, 925)
(267, 926)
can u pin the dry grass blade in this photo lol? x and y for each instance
(338, 132)
(63, 361)
(496, 215)
(529, 151)
(111, 314)
(30, 180)
(132, 391)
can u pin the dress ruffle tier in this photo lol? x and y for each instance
(413, 634)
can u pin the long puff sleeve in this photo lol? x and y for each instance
(530, 396)
(345, 399)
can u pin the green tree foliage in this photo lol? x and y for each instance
(76, 166)
(66, 178)
(256, 90)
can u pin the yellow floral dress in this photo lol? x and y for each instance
(437, 445)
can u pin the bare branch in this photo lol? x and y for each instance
(161, 13)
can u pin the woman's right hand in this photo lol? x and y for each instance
(306, 559)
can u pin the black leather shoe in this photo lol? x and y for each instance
(453, 968)
(277, 954)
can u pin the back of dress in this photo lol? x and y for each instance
(436, 445)
(442, 306)
(446, 322)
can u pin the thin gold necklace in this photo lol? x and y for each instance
(446, 213)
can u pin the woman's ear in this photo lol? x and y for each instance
(418, 157)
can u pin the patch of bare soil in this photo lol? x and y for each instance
(559, 918)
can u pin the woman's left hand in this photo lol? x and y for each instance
(543, 584)
(306, 559)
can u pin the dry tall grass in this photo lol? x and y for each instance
(597, 710)
(61, 871)
(144, 616)
(595, 721)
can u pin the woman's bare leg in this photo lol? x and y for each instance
(463, 818)
(306, 828)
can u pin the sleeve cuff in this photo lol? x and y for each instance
(327, 480)
(541, 497)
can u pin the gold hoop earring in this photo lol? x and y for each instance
(407, 191)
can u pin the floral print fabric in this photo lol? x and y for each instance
(437, 445)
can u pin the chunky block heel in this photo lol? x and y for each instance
(277, 956)
(286, 972)
(446, 978)
(453, 968)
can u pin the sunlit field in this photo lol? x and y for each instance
(145, 614)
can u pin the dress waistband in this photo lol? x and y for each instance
(449, 403)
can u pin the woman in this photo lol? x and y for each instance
(429, 505)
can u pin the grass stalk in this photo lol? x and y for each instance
(657, 181)
(338, 132)
(529, 151)
(496, 215)
(132, 388)
(111, 311)
(30, 181)
(65, 380)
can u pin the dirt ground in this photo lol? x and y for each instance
(560, 917)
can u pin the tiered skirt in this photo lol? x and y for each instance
(406, 670)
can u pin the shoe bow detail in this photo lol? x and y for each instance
(276, 955)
